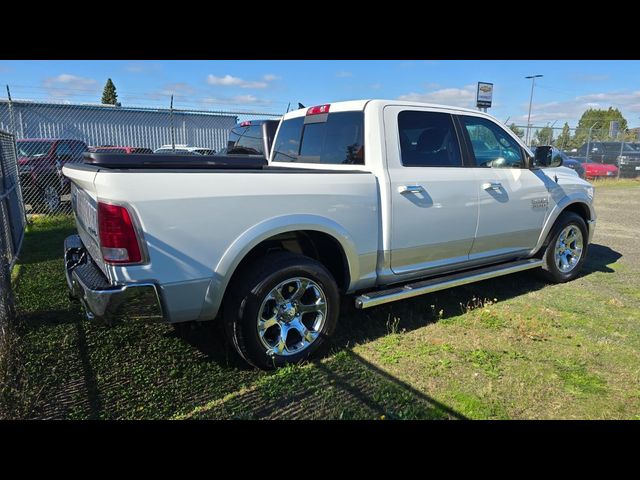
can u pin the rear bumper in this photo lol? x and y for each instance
(102, 301)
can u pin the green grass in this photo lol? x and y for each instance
(512, 347)
(615, 182)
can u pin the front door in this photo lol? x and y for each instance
(434, 197)
(513, 200)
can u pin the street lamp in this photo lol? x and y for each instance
(533, 82)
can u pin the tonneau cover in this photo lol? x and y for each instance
(142, 161)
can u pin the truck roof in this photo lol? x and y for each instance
(351, 105)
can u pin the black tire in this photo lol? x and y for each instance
(550, 270)
(252, 286)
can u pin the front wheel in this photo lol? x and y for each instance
(567, 249)
(281, 310)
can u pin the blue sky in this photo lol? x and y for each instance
(565, 91)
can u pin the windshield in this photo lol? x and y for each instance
(33, 149)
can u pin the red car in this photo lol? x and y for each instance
(40, 162)
(599, 170)
(113, 149)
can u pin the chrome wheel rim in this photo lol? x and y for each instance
(291, 316)
(51, 198)
(568, 249)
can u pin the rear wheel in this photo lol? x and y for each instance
(567, 249)
(281, 310)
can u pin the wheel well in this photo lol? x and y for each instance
(578, 208)
(317, 245)
(581, 209)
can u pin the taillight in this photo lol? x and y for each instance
(245, 124)
(319, 109)
(118, 240)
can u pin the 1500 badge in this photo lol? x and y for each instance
(539, 203)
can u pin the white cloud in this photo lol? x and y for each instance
(142, 67)
(344, 74)
(231, 81)
(237, 100)
(571, 110)
(66, 84)
(179, 88)
(459, 97)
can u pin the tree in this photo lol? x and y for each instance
(564, 140)
(544, 136)
(601, 130)
(517, 130)
(109, 95)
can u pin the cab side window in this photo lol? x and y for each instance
(428, 139)
(492, 146)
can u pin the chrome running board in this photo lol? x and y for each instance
(379, 297)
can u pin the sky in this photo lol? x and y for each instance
(561, 95)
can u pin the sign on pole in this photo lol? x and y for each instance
(484, 95)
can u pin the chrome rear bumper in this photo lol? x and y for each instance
(101, 300)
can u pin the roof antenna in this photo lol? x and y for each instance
(288, 105)
(300, 105)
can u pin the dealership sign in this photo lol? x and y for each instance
(484, 95)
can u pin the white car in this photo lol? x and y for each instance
(383, 200)
(182, 149)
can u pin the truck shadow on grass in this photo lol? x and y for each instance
(342, 384)
(357, 326)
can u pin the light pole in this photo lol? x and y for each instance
(533, 82)
(589, 141)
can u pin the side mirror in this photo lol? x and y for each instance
(544, 158)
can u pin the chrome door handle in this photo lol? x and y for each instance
(410, 188)
(496, 186)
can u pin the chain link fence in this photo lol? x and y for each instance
(12, 225)
(571, 139)
(49, 134)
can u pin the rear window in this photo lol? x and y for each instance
(246, 141)
(337, 141)
(110, 150)
(33, 149)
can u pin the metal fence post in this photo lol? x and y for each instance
(173, 130)
(12, 120)
(7, 305)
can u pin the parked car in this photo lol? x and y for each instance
(567, 161)
(40, 162)
(119, 149)
(621, 154)
(599, 170)
(385, 200)
(183, 149)
(253, 137)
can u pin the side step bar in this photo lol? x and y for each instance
(379, 297)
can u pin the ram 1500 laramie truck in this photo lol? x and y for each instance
(382, 200)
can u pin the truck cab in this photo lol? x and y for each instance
(380, 199)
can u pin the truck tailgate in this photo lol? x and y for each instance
(85, 208)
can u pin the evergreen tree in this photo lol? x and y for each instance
(109, 95)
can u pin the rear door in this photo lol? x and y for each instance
(513, 200)
(434, 198)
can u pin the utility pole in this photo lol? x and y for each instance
(533, 82)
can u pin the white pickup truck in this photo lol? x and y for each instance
(383, 200)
